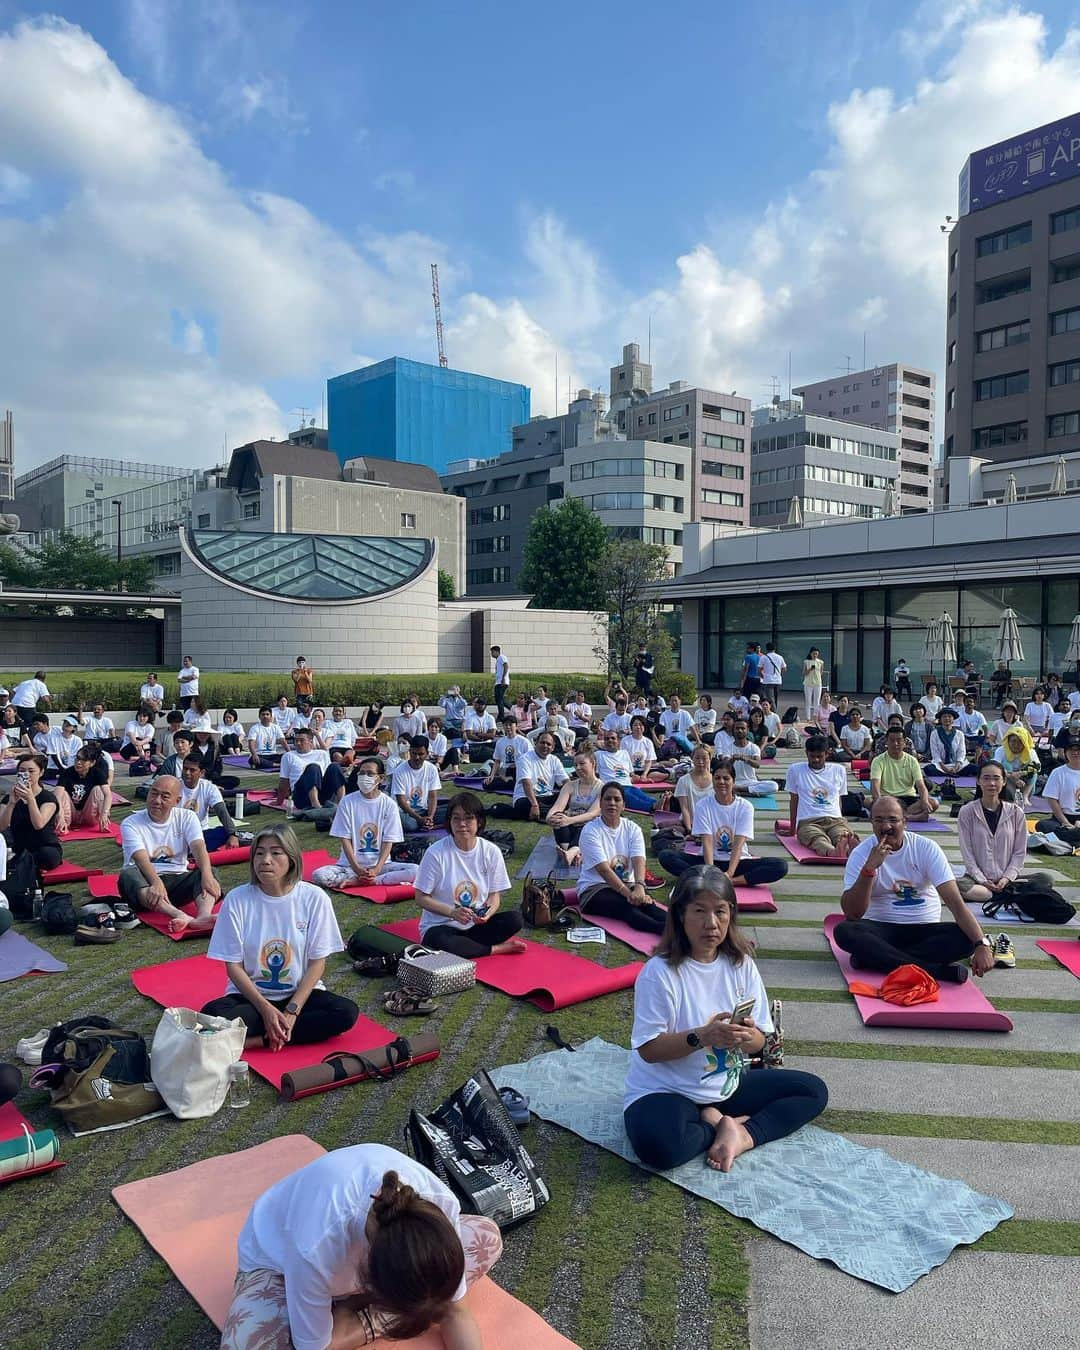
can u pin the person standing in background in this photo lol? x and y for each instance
(303, 678)
(812, 669)
(772, 669)
(751, 669)
(188, 679)
(644, 669)
(502, 678)
(27, 695)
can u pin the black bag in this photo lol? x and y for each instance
(473, 1146)
(853, 805)
(410, 849)
(373, 941)
(790, 717)
(503, 840)
(21, 883)
(140, 768)
(58, 913)
(98, 1074)
(672, 836)
(1031, 904)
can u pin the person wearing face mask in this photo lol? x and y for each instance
(411, 721)
(895, 884)
(368, 824)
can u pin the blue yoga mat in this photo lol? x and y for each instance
(872, 1216)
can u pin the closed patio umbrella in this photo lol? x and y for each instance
(795, 515)
(1059, 484)
(946, 641)
(1009, 647)
(889, 506)
(931, 644)
(1010, 490)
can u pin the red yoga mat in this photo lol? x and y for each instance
(68, 871)
(546, 976)
(379, 895)
(12, 1121)
(959, 1007)
(160, 923)
(1068, 953)
(85, 832)
(801, 853)
(195, 980)
(227, 857)
(266, 797)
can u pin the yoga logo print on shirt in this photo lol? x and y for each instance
(726, 1062)
(906, 894)
(620, 865)
(274, 960)
(465, 894)
(368, 839)
(416, 798)
(819, 797)
(723, 839)
(638, 760)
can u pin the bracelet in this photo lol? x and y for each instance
(869, 872)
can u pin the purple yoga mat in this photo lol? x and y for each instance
(20, 956)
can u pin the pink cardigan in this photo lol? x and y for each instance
(993, 855)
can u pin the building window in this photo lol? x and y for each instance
(952, 304)
(1004, 239)
(626, 468)
(1065, 220)
(1006, 433)
(684, 435)
(950, 400)
(875, 403)
(1065, 321)
(634, 501)
(876, 380)
(722, 498)
(487, 576)
(1067, 270)
(408, 520)
(1000, 386)
(471, 489)
(641, 421)
(652, 419)
(719, 470)
(952, 262)
(1002, 287)
(1064, 424)
(1066, 372)
(735, 415)
(952, 353)
(649, 534)
(673, 414)
(990, 339)
(732, 443)
(252, 510)
(204, 521)
(487, 515)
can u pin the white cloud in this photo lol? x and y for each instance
(14, 185)
(263, 97)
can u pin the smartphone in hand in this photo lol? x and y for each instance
(743, 1008)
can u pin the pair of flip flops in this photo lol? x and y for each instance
(400, 1003)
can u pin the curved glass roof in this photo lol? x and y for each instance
(310, 566)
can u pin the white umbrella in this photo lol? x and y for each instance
(1059, 484)
(1009, 496)
(1072, 652)
(889, 506)
(946, 638)
(795, 515)
(1009, 647)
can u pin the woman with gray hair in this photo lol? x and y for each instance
(700, 1011)
(274, 936)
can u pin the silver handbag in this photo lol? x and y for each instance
(429, 974)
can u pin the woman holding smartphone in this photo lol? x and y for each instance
(699, 1006)
(28, 817)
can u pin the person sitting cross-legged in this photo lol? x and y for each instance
(725, 824)
(898, 774)
(993, 838)
(948, 755)
(613, 766)
(157, 843)
(746, 756)
(274, 935)
(857, 738)
(509, 749)
(1062, 791)
(100, 730)
(205, 799)
(415, 786)
(894, 886)
(540, 775)
(578, 802)
(480, 732)
(307, 775)
(816, 788)
(612, 880)
(684, 1097)
(266, 740)
(368, 824)
(84, 792)
(1018, 757)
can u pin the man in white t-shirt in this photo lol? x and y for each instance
(308, 776)
(284, 716)
(157, 843)
(1062, 791)
(479, 731)
(894, 886)
(101, 730)
(509, 749)
(416, 786)
(613, 765)
(746, 756)
(617, 717)
(539, 777)
(205, 799)
(678, 725)
(502, 678)
(187, 677)
(27, 694)
(816, 817)
(266, 740)
(152, 693)
(771, 671)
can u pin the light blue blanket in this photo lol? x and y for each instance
(876, 1218)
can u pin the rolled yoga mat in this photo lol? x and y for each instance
(959, 1007)
(546, 976)
(13, 1126)
(343, 1070)
(193, 981)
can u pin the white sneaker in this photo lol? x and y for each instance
(30, 1047)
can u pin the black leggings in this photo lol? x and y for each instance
(231, 743)
(754, 871)
(520, 809)
(609, 904)
(479, 940)
(566, 836)
(884, 946)
(322, 1016)
(666, 1129)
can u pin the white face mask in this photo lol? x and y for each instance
(403, 749)
(366, 782)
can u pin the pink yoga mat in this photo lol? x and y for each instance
(118, 800)
(195, 980)
(803, 854)
(68, 871)
(750, 900)
(379, 895)
(84, 832)
(1068, 953)
(546, 976)
(265, 797)
(12, 1121)
(160, 923)
(959, 1007)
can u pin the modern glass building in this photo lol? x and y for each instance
(408, 410)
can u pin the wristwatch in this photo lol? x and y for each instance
(693, 1040)
(986, 941)
(292, 1008)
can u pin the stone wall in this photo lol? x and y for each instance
(31, 643)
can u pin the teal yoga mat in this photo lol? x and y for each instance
(874, 1217)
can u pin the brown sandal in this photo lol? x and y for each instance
(400, 1003)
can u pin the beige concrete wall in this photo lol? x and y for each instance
(455, 637)
(549, 640)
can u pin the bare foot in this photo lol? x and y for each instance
(511, 947)
(732, 1138)
(710, 1115)
(203, 922)
(180, 921)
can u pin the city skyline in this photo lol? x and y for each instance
(205, 217)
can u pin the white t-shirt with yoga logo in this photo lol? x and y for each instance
(167, 844)
(904, 889)
(369, 822)
(454, 877)
(818, 790)
(546, 775)
(275, 937)
(201, 799)
(509, 750)
(294, 762)
(415, 785)
(642, 753)
(724, 823)
(618, 848)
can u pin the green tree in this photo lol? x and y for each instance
(628, 572)
(447, 589)
(563, 555)
(70, 562)
(16, 567)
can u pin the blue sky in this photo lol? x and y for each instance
(207, 208)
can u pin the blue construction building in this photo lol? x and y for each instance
(408, 410)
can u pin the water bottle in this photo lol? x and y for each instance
(238, 806)
(289, 808)
(39, 900)
(239, 1084)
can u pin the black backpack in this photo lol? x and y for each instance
(503, 840)
(410, 849)
(58, 913)
(1043, 905)
(21, 883)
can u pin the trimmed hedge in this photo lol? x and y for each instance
(120, 689)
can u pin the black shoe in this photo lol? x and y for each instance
(97, 930)
(384, 964)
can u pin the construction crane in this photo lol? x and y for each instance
(438, 314)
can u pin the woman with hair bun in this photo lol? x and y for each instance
(361, 1243)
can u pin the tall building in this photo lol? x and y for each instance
(1012, 359)
(407, 410)
(148, 519)
(45, 496)
(896, 397)
(7, 457)
(834, 468)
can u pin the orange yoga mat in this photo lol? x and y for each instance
(192, 1218)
